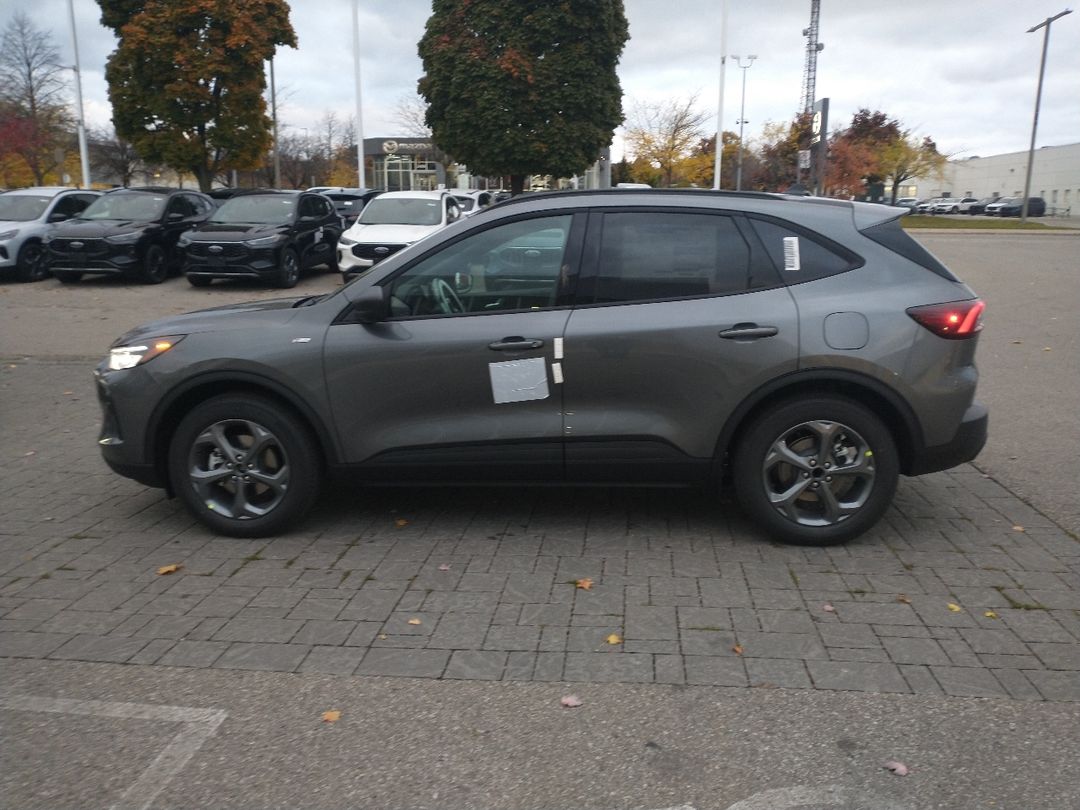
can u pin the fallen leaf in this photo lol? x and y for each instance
(69, 392)
(31, 453)
(382, 637)
(331, 716)
(1017, 342)
(444, 567)
(1047, 349)
(990, 614)
(614, 638)
(737, 649)
(401, 522)
(899, 768)
(584, 584)
(570, 702)
(904, 599)
(169, 569)
(1018, 528)
(955, 608)
(414, 621)
(828, 607)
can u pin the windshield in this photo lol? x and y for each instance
(143, 207)
(384, 211)
(22, 207)
(256, 210)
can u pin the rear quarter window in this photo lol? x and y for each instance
(890, 235)
(799, 255)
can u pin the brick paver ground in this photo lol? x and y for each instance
(962, 590)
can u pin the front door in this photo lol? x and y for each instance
(459, 381)
(679, 319)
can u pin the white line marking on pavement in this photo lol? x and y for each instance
(198, 726)
(825, 796)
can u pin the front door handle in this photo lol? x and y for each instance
(748, 331)
(515, 344)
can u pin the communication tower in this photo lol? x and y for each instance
(813, 47)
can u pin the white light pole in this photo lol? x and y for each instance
(359, 105)
(742, 113)
(720, 102)
(1038, 97)
(277, 142)
(84, 156)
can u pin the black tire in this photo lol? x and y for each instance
(31, 264)
(67, 276)
(288, 272)
(846, 453)
(155, 267)
(199, 281)
(268, 489)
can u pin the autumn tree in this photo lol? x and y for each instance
(519, 88)
(664, 134)
(112, 158)
(778, 154)
(34, 119)
(186, 80)
(908, 157)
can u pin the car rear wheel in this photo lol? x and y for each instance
(30, 264)
(244, 466)
(155, 267)
(67, 276)
(816, 472)
(199, 281)
(288, 270)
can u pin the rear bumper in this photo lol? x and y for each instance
(963, 447)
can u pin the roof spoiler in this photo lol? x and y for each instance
(867, 215)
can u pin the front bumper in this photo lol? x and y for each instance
(123, 440)
(237, 261)
(965, 445)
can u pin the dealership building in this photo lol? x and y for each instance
(1055, 177)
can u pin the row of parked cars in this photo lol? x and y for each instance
(146, 234)
(988, 206)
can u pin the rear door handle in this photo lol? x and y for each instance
(515, 344)
(748, 331)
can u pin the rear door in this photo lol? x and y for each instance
(679, 318)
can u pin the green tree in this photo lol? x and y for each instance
(778, 155)
(516, 87)
(35, 124)
(186, 81)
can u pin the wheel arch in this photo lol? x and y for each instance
(885, 403)
(166, 417)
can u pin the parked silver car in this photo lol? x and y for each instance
(807, 351)
(26, 215)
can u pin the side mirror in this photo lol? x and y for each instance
(175, 216)
(58, 217)
(371, 306)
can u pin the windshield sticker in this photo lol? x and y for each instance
(519, 380)
(791, 253)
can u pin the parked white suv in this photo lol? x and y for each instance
(954, 205)
(390, 222)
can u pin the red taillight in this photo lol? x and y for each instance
(954, 320)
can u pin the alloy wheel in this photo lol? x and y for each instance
(239, 469)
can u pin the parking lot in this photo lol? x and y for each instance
(970, 588)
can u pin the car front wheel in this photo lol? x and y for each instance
(155, 267)
(244, 466)
(31, 262)
(816, 472)
(288, 272)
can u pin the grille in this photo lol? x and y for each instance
(90, 247)
(202, 249)
(375, 252)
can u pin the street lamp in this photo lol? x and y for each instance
(81, 123)
(720, 106)
(742, 113)
(1038, 97)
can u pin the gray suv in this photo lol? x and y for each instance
(807, 351)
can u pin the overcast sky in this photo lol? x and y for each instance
(963, 73)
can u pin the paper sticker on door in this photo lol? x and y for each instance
(519, 380)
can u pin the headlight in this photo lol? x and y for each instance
(183, 241)
(9, 234)
(265, 242)
(121, 357)
(344, 240)
(124, 238)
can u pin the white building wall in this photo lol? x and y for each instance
(1055, 178)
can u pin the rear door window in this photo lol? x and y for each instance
(654, 256)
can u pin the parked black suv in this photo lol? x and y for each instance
(271, 236)
(129, 231)
(1036, 207)
(808, 350)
